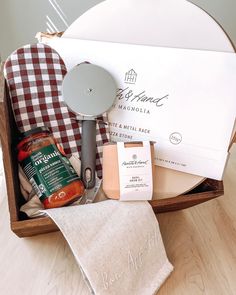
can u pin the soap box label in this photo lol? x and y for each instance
(135, 172)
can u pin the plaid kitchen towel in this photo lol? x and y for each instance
(34, 74)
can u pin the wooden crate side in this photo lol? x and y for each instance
(184, 201)
(42, 225)
(7, 132)
(32, 227)
(206, 191)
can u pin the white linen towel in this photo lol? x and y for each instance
(117, 245)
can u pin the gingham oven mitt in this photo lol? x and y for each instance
(34, 74)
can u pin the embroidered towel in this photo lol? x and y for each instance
(117, 245)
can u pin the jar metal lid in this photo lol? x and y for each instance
(33, 131)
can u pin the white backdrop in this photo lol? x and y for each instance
(20, 20)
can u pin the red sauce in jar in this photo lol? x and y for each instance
(47, 168)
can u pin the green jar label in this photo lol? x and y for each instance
(48, 171)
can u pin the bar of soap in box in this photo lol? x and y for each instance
(128, 170)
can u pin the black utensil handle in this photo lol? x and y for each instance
(88, 153)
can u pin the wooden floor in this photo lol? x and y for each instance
(200, 243)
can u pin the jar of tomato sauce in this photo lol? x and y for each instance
(49, 171)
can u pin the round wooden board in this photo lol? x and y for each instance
(169, 23)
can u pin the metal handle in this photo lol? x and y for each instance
(88, 153)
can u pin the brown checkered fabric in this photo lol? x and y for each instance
(34, 75)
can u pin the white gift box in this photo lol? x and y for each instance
(183, 99)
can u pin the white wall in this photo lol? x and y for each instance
(224, 12)
(21, 19)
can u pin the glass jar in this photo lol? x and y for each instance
(47, 168)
